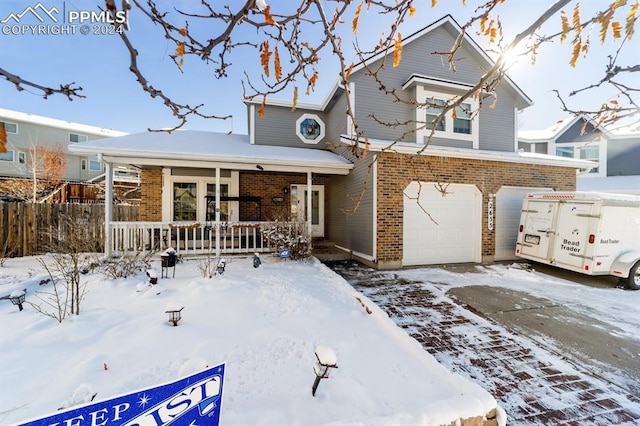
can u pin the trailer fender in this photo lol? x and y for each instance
(624, 262)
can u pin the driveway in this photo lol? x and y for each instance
(545, 361)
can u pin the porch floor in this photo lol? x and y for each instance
(325, 250)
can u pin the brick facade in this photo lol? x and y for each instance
(269, 186)
(151, 195)
(396, 171)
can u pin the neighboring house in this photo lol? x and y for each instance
(25, 131)
(458, 200)
(615, 150)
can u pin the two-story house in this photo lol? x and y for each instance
(26, 131)
(456, 200)
(616, 151)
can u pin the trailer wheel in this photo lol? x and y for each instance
(633, 281)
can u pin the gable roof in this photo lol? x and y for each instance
(556, 130)
(191, 148)
(447, 20)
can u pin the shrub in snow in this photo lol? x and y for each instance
(291, 235)
(126, 265)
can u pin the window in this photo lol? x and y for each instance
(83, 164)
(22, 157)
(75, 138)
(432, 112)
(564, 151)
(462, 119)
(310, 128)
(224, 205)
(6, 156)
(9, 127)
(591, 153)
(95, 166)
(595, 151)
(460, 125)
(185, 201)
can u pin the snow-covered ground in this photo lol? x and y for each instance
(264, 323)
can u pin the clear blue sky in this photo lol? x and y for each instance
(99, 63)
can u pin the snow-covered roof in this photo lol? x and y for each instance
(476, 154)
(191, 148)
(9, 115)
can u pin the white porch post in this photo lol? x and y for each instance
(108, 207)
(217, 212)
(309, 188)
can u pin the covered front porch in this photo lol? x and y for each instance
(209, 193)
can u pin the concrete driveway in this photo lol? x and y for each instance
(545, 362)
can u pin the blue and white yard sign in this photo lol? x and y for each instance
(193, 400)
(284, 253)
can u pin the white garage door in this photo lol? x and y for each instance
(507, 218)
(455, 236)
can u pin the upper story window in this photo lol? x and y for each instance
(75, 138)
(6, 156)
(9, 127)
(593, 151)
(459, 124)
(310, 128)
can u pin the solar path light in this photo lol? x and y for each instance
(17, 297)
(326, 361)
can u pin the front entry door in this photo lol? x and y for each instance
(299, 194)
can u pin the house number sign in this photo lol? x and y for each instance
(490, 215)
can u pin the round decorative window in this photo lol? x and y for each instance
(309, 128)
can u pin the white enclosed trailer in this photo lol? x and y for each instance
(588, 232)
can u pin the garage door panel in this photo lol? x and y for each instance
(507, 219)
(456, 235)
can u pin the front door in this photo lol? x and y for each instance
(299, 195)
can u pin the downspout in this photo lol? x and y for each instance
(217, 228)
(108, 205)
(309, 188)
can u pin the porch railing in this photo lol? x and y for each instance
(186, 238)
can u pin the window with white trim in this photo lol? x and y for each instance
(189, 201)
(458, 124)
(6, 156)
(75, 138)
(95, 166)
(593, 151)
(9, 127)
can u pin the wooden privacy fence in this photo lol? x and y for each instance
(27, 229)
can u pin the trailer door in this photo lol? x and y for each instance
(572, 233)
(538, 228)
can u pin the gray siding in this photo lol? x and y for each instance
(337, 120)
(497, 131)
(347, 229)
(278, 127)
(623, 157)
(574, 133)
(30, 134)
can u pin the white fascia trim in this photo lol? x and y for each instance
(302, 105)
(472, 154)
(416, 79)
(59, 124)
(252, 124)
(244, 164)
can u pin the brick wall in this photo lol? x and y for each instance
(396, 171)
(151, 195)
(270, 185)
